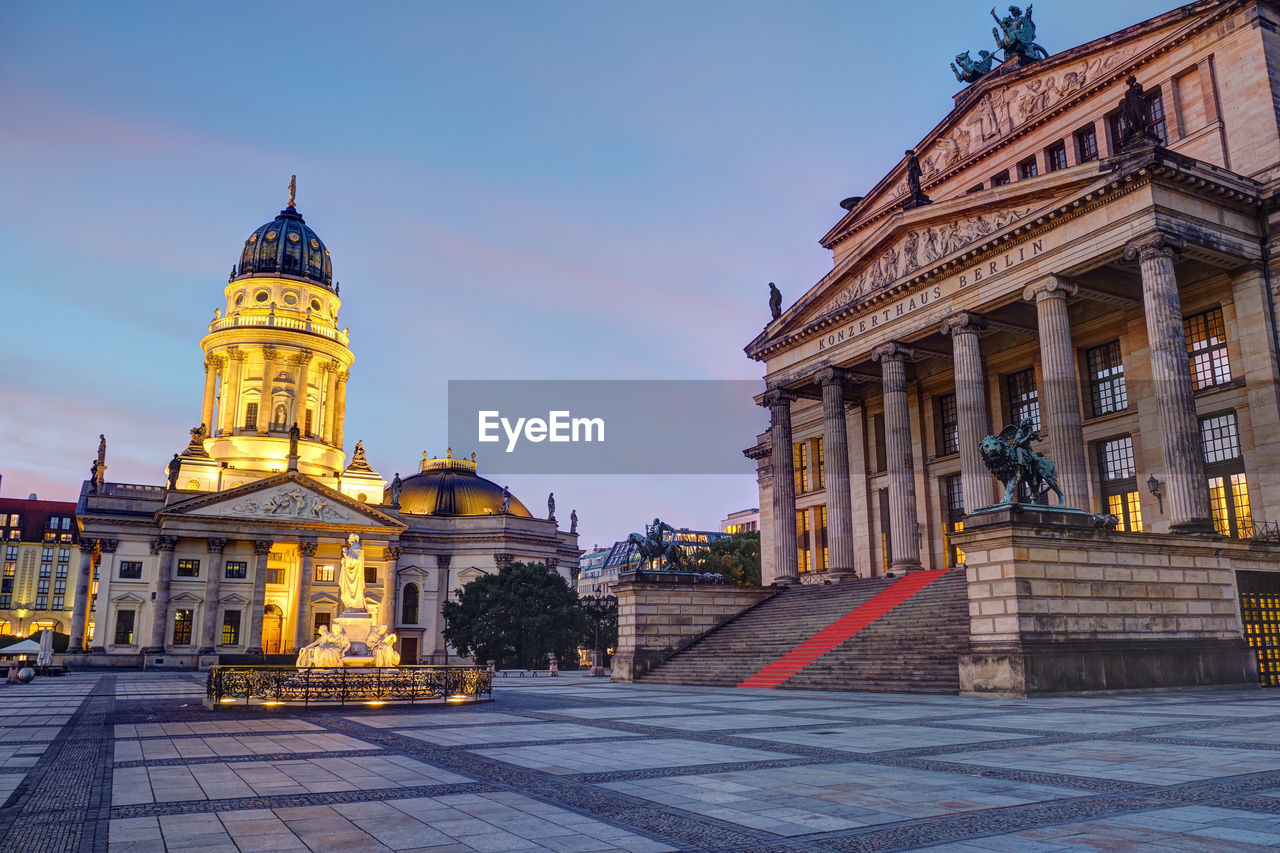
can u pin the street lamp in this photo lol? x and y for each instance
(598, 607)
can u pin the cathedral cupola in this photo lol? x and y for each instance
(285, 246)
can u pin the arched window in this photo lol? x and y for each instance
(409, 605)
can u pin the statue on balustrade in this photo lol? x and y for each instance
(1010, 457)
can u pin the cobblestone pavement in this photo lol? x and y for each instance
(132, 762)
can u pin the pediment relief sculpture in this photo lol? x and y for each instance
(920, 249)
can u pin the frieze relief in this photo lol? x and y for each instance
(1000, 112)
(920, 249)
(283, 503)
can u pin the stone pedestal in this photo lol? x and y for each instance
(1056, 606)
(357, 624)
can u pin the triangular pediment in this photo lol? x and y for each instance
(995, 112)
(233, 598)
(289, 499)
(126, 598)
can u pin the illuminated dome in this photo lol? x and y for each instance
(451, 487)
(286, 246)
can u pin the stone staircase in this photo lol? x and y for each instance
(915, 647)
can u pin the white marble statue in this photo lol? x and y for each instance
(383, 647)
(307, 654)
(351, 585)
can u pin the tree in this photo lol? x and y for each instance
(737, 558)
(517, 617)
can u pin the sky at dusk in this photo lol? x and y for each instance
(534, 190)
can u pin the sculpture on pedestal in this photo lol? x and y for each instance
(351, 585)
(1010, 458)
(382, 645)
(1015, 34)
(775, 301)
(652, 547)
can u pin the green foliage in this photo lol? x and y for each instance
(737, 558)
(517, 617)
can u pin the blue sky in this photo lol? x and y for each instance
(509, 190)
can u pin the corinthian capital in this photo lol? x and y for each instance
(1049, 287)
(1156, 244)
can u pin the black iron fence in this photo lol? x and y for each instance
(230, 685)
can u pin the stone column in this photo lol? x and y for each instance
(212, 366)
(786, 559)
(905, 535)
(162, 545)
(1186, 490)
(80, 606)
(836, 465)
(971, 406)
(1060, 395)
(262, 547)
(390, 587)
(300, 385)
(856, 409)
(104, 568)
(340, 408)
(230, 408)
(209, 639)
(266, 396)
(301, 627)
(440, 647)
(330, 372)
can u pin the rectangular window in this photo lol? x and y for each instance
(43, 587)
(130, 570)
(237, 569)
(886, 525)
(802, 540)
(1207, 349)
(188, 568)
(953, 501)
(1119, 471)
(1220, 438)
(1028, 169)
(9, 569)
(42, 602)
(46, 554)
(57, 602)
(948, 425)
(1158, 125)
(59, 587)
(324, 574)
(64, 555)
(317, 621)
(62, 570)
(877, 433)
(6, 601)
(999, 179)
(815, 456)
(820, 537)
(800, 464)
(370, 575)
(46, 570)
(311, 414)
(1023, 398)
(1107, 391)
(1055, 157)
(251, 416)
(1224, 466)
(11, 552)
(6, 586)
(15, 520)
(1086, 144)
(182, 627)
(275, 575)
(231, 628)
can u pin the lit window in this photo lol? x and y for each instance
(1224, 467)
(953, 497)
(237, 569)
(188, 568)
(800, 462)
(1207, 349)
(324, 574)
(251, 416)
(231, 628)
(182, 627)
(1120, 483)
(802, 540)
(820, 537)
(124, 628)
(275, 575)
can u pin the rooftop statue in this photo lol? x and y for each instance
(1135, 117)
(915, 195)
(1010, 458)
(969, 71)
(1015, 34)
(775, 301)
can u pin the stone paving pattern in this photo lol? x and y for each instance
(132, 762)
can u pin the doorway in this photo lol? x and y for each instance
(409, 651)
(272, 626)
(1260, 615)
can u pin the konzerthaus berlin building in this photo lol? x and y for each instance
(1119, 292)
(237, 553)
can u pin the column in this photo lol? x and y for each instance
(836, 464)
(856, 409)
(1186, 490)
(330, 373)
(440, 649)
(211, 366)
(302, 628)
(905, 535)
(971, 406)
(162, 545)
(209, 639)
(300, 385)
(105, 567)
(266, 396)
(390, 587)
(340, 408)
(80, 606)
(230, 407)
(1060, 395)
(786, 559)
(262, 547)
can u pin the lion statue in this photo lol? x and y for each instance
(1010, 458)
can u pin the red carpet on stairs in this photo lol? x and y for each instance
(841, 629)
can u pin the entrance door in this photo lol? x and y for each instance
(272, 623)
(409, 651)
(1260, 613)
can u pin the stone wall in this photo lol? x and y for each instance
(655, 620)
(1056, 608)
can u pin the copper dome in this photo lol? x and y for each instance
(452, 487)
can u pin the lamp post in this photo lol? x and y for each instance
(598, 607)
